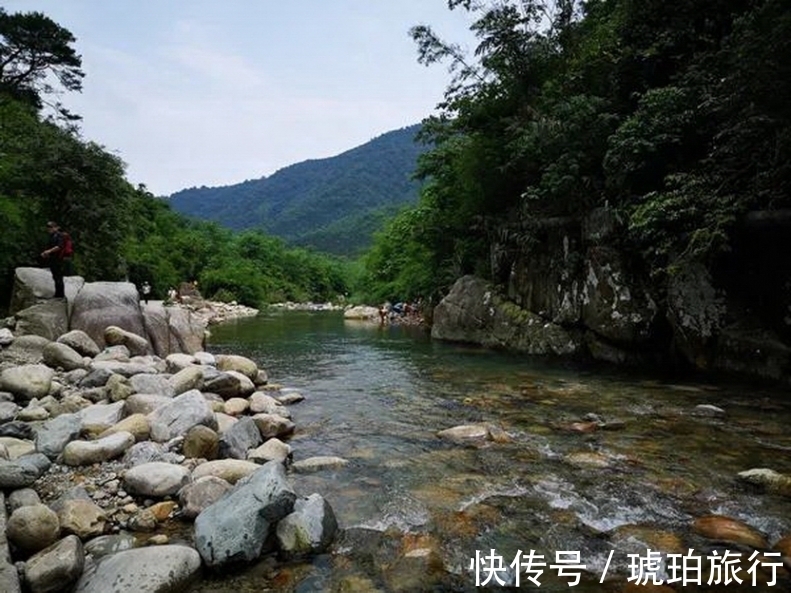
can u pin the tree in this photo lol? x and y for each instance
(34, 50)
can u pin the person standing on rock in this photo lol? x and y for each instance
(146, 288)
(53, 257)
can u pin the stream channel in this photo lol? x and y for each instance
(592, 460)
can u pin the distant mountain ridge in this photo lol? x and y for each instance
(332, 204)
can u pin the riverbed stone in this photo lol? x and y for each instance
(33, 412)
(288, 398)
(8, 411)
(81, 342)
(230, 470)
(176, 418)
(239, 439)
(236, 527)
(99, 417)
(119, 388)
(104, 545)
(17, 429)
(33, 528)
(53, 436)
(146, 452)
(273, 425)
(22, 472)
(224, 422)
(113, 354)
(98, 451)
(319, 463)
(200, 494)
(24, 497)
(155, 479)
(136, 424)
(17, 447)
(768, 479)
(240, 364)
(81, 517)
(262, 403)
(57, 355)
(466, 434)
(145, 403)
(236, 406)
(309, 529)
(728, 529)
(158, 569)
(26, 349)
(57, 567)
(201, 442)
(272, 450)
(27, 381)
(186, 379)
(116, 336)
(179, 361)
(149, 383)
(228, 384)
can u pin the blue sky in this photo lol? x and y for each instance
(213, 92)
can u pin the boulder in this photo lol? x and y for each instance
(6, 337)
(145, 403)
(272, 425)
(201, 442)
(156, 569)
(26, 350)
(190, 377)
(230, 384)
(240, 364)
(187, 330)
(309, 529)
(235, 528)
(156, 479)
(239, 439)
(152, 383)
(80, 342)
(182, 413)
(57, 355)
(33, 528)
(82, 518)
(136, 424)
(24, 497)
(102, 304)
(230, 470)
(116, 336)
(99, 417)
(272, 450)
(98, 451)
(200, 494)
(179, 361)
(22, 472)
(49, 320)
(57, 567)
(32, 285)
(27, 381)
(53, 436)
(155, 321)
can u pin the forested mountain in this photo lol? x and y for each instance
(332, 204)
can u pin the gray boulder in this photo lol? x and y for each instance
(239, 439)
(102, 304)
(156, 479)
(57, 355)
(22, 472)
(48, 319)
(230, 384)
(235, 528)
(200, 494)
(187, 330)
(57, 567)
(53, 436)
(116, 336)
(309, 529)
(26, 350)
(27, 381)
(32, 285)
(81, 342)
(155, 569)
(182, 413)
(151, 383)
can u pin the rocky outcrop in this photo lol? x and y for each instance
(91, 308)
(473, 312)
(577, 290)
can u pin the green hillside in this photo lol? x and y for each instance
(331, 204)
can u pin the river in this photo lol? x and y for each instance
(592, 461)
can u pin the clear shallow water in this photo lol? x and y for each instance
(414, 508)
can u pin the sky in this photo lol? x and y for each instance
(214, 92)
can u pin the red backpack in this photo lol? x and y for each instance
(67, 250)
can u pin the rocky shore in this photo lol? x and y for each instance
(104, 453)
(130, 458)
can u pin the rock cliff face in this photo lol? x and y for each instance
(94, 306)
(578, 292)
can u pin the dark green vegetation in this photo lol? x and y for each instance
(49, 172)
(333, 204)
(673, 113)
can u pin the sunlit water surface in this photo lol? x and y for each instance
(414, 509)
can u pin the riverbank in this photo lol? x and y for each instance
(126, 467)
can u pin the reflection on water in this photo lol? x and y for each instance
(594, 461)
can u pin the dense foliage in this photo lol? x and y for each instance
(333, 204)
(673, 113)
(49, 172)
